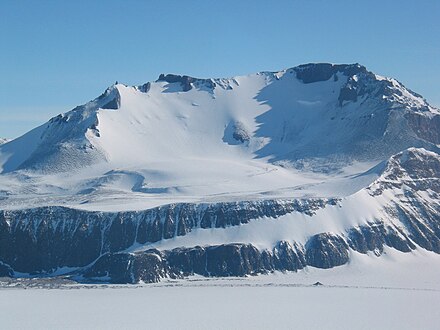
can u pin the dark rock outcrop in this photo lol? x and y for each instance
(40, 240)
(375, 236)
(315, 72)
(288, 257)
(6, 270)
(326, 251)
(188, 261)
(232, 260)
(187, 82)
(112, 104)
(216, 261)
(323, 251)
(110, 99)
(128, 268)
(347, 94)
(427, 128)
(145, 87)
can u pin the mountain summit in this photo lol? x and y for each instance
(319, 116)
(292, 133)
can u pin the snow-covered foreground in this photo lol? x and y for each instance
(221, 308)
(400, 292)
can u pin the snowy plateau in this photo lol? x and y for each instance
(318, 174)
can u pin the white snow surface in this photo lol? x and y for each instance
(396, 291)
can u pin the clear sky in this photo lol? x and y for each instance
(55, 55)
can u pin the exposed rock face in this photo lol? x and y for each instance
(187, 82)
(6, 270)
(286, 256)
(417, 169)
(145, 87)
(375, 236)
(188, 261)
(397, 109)
(128, 268)
(315, 72)
(323, 250)
(219, 261)
(427, 128)
(326, 251)
(110, 99)
(112, 104)
(236, 133)
(43, 239)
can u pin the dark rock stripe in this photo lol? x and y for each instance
(323, 250)
(41, 240)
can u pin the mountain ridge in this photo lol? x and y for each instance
(361, 86)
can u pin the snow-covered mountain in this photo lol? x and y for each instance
(299, 132)
(282, 170)
(312, 112)
(3, 141)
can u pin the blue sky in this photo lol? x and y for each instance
(55, 55)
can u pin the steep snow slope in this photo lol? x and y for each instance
(62, 143)
(305, 131)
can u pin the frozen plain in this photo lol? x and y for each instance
(401, 291)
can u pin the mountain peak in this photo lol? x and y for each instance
(300, 117)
